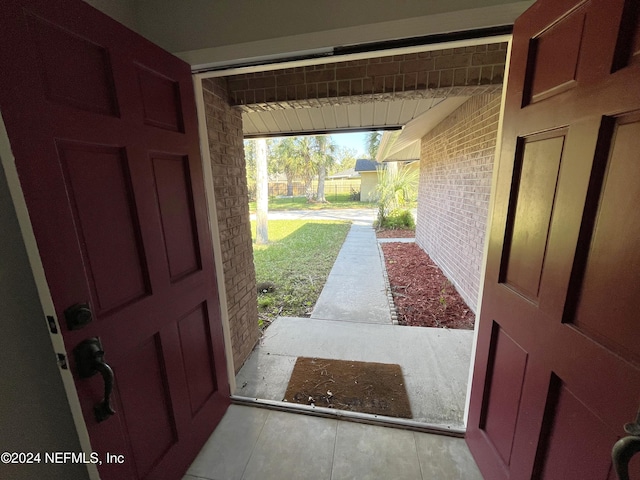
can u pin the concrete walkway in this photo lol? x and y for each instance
(355, 289)
(357, 216)
(352, 321)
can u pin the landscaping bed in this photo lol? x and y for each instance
(423, 295)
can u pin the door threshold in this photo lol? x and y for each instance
(356, 417)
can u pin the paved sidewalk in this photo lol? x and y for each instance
(352, 321)
(355, 289)
(358, 216)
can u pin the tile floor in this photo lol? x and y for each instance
(255, 443)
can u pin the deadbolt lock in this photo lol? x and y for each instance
(78, 316)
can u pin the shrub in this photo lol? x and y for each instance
(395, 189)
(398, 219)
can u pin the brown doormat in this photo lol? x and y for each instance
(376, 388)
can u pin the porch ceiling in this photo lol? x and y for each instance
(384, 90)
(341, 116)
(412, 118)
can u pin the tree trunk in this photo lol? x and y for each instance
(262, 192)
(289, 186)
(322, 173)
(307, 189)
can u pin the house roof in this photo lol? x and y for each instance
(350, 173)
(365, 165)
(405, 144)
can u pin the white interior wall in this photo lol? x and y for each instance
(121, 10)
(209, 33)
(203, 23)
(34, 407)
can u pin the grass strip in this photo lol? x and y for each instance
(301, 203)
(297, 262)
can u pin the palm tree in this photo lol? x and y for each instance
(396, 187)
(306, 151)
(262, 191)
(325, 159)
(372, 143)
(303, 157)
(250, 165)
(287, 161)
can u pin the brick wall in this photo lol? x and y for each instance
(439, 73)
(224, 126)
(456, 164)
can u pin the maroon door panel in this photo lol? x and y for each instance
(557, 371)
(103, 127)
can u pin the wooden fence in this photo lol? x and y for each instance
(333, 189)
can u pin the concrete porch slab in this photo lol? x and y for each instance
(435, 362)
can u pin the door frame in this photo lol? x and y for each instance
(198, 78)
(209, 188)
(485, 253)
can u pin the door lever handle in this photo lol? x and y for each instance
(90, 360)
(625, 448)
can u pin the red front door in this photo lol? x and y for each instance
(102, 124)
(557, 370)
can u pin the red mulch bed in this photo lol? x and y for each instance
(423, 296)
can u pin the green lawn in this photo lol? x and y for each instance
(300, 203)
(297, 261)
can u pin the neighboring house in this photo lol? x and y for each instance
(349, 174)
(368, 170)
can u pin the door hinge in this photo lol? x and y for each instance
(53, 328)
(62, 361)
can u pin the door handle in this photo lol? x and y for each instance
(90, 360)
(625, 448)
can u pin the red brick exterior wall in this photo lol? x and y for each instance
(224, 126)
(457, 71)
(456, 165)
